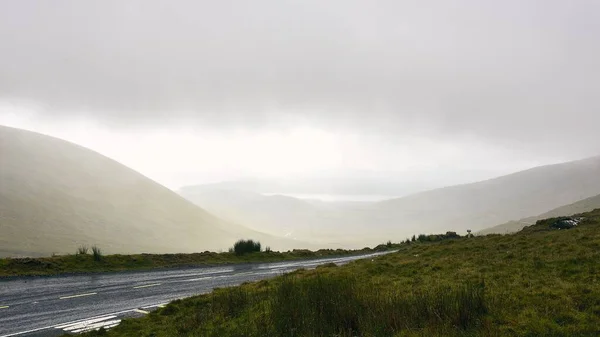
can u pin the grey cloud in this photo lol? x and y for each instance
(515, 72)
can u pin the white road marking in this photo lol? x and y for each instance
(141, 311)
(199, 279)
(4, 307)
(75, 296)
(245, 273)
(94, 326)
(84, 322)
(86, 319)
(147, 285)
(106, 327)
(72, 322)
(229, 270)
(161, 305)
(204, 273)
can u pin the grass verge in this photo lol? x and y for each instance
(96, 262)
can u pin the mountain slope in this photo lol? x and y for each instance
(328, 224)
(55, 195)
(470, 206)
(581, 206)
(479, 205)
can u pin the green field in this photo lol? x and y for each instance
(85, 263)
(538, 282)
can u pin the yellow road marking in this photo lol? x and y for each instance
(74, 296)
(4, 307)
(147, 285)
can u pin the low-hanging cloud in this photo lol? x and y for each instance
(507, 72)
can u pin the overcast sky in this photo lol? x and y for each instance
(194, 91)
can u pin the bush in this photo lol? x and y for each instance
(245, 246)
(82, 250)
(436, 237)
(451, 235)
(302, 252)
(97, 253)
(423, 238)
(380, 248)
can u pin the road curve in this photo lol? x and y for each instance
(51, 306)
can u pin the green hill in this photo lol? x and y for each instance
(538, 282)
(55, 195)
(580, 206)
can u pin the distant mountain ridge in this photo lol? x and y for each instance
(56, 195)
(330, 184)
(483, 204)
(318, 222)
(474, 206)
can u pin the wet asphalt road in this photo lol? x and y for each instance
(51, 306)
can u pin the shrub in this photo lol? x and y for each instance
(380, 248)
(451, 235)
(242, 247)
(302, 252)
(82, 250)
(436, 237)
(97, 253)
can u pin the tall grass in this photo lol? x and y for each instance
(327, 305)
(82, 250)
(97, 253)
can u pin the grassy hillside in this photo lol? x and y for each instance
(580, 206)
(538, 282)
(55, 195)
